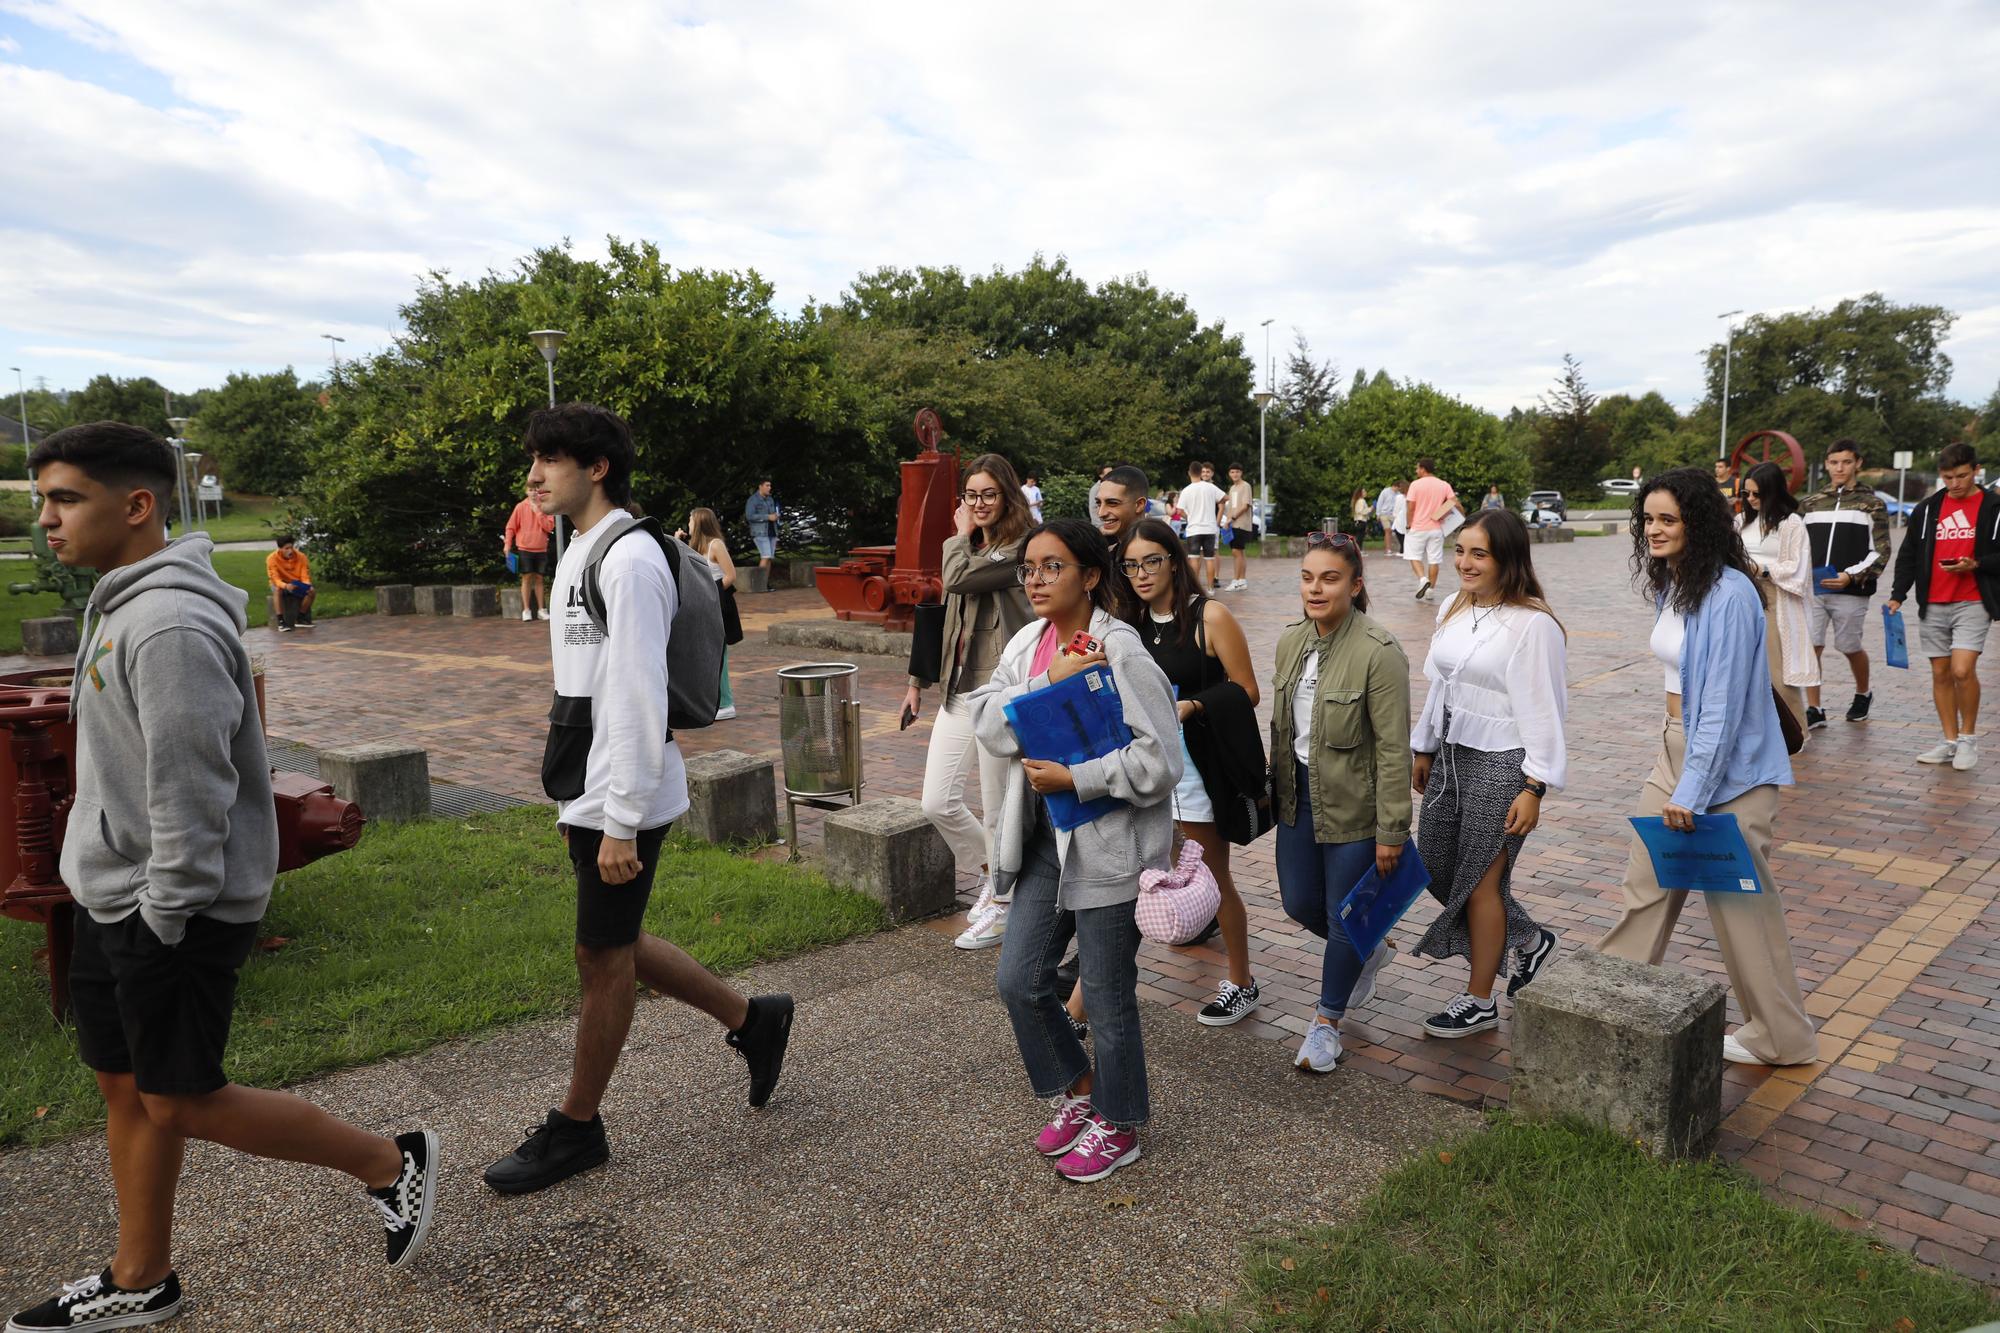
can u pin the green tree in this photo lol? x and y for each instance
(256, 430)
(1311, 387)
(136, 402)
(1572, 445)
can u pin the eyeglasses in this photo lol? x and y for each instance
(1336, 540)
(1047, 573)
(1151, 564)
(981, 497)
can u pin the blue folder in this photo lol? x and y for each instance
(1820, 574)
(1066, 723)
(1898, 642)
(1372, 907)
(1712, 859)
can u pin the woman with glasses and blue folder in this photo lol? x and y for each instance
(1340, 767)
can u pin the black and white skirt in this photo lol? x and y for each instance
(1462, 831)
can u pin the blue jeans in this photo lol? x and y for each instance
(1107, 939)
(767, 546)
(1313, 878)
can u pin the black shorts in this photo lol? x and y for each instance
(159, 1014)
(1240, 538)
(608, 916)
(532, 562)
(1204, 545)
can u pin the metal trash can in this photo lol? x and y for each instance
(819, 727)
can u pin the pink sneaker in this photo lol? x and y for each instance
(1100, 1151)
(1061, 1133)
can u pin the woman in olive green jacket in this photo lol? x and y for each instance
(1340, 767)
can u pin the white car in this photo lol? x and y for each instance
(1621, 486)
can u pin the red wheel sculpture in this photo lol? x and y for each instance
(1741, 462)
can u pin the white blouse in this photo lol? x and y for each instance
(1503, 676)
(1669, 637)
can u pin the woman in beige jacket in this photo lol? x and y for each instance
(1774, 537)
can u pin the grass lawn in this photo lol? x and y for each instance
(1528, 1226)
(424, 932)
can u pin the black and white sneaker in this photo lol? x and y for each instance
(98, 1302)
(1080, 1026)
(761, 1042)
(1463, 1017)
(1232, 1003)
(1815, 718)
(1532, 961)
(1423, 588)
(1858, 710)
(406, 1206)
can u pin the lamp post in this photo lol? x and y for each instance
(21, 381)
(1263, 400)
(546, 342)
(1728, 340)
(180, 425)
(333, 342)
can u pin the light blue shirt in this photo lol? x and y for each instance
(1734, 741)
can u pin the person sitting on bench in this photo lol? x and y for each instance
(292, 592)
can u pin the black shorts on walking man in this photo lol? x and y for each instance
(614, 770)
(170, 852)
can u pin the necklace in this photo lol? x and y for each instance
(1482, 614)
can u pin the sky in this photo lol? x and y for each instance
(1455, 193)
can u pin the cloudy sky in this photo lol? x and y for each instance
(1456, 192)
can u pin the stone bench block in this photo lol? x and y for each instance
(388, 781)
(1629, 1046)
(732, 797)
(433, 599)
(886, 849)
(475, 599)
(797, 573)
(510, 602)
(753, 577)
(395, 599)
(49, 636)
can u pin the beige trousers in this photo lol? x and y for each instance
(1749, 927)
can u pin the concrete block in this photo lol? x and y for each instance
(510, 602)
(395, 599)
(1625, 1045)
(433, 599)
(732, 797)
(846, 636)
(388, 781)
(888, 850)
(49, 636)
(475, 599)
(753, 577)
(797, 573)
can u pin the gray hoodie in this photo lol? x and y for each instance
(174, 813)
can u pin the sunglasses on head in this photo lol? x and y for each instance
(1336, 540)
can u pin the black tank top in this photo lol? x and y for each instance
(1187, 664)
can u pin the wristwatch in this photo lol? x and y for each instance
(1539, 789)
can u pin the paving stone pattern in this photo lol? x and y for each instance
(1890, 872)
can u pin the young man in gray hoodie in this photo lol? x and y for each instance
(170, 852)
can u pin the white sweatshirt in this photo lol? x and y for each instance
(635, 778)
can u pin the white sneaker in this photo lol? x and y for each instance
(724, 714)
(1968, 753)
(1238, 585)
(1944, 753)
(542, 614)
(527, 614)
(1364, 985)
(1320, 1051)
(1737, 1053)
(986, 930)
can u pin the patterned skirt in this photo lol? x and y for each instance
(1462, 830)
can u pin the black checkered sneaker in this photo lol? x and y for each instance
(98, 1302)
(406, 1206)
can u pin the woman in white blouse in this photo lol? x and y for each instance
(1489, 747)
(1774, 537)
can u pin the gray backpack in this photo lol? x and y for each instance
(694, 640)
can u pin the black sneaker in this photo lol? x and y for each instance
(1208, 932)
(1532, 961)
(98, 1302)
(761, 1042)
(1815, 718)
(556, 1149)
(1232, 1003)
(1858, 710)
(1463, 1017)
(407, 1205)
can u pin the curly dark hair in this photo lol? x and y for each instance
(1712, 541)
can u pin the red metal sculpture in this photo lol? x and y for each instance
(885, 584)
(39, 763)
(1740, 461)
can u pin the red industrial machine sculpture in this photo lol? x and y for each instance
(38, 763)
(1794, 462)
(885, 584)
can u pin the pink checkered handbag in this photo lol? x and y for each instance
(1176, 905)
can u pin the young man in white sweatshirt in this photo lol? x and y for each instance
(616, 774)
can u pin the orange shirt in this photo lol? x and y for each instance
(528, 529)
(1427, 496)
(284, 570)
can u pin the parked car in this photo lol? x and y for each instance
(1901, 509)
(1621, 485)
(1551, 501)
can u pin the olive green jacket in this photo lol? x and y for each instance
(984, 607)
(1360, 770)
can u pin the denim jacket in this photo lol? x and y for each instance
(1734, 741)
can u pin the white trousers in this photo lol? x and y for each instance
(949, 764)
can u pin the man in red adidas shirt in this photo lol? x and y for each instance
(1951, 557)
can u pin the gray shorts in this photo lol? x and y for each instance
(1844, 611)
(1954, 627)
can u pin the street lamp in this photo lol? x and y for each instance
(180, 425)
(333, 342)
(1263, 400)
(1728, 338)
(546, 342)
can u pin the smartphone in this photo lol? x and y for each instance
(909, 716)
(1083, 645)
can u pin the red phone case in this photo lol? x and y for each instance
(1083, 645)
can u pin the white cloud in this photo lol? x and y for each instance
(1452, 193)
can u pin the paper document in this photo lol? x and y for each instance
(1712, 859)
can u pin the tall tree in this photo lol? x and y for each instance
(1572, 445)
(1311, 386)
(256, 429)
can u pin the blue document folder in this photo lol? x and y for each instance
(1373, 905)
(1712, 859)
(1898, 642)
(1820, 574)
(1066, 723)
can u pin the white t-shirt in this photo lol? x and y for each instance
(1401, 523)
(1669, 637)
(1201, 501)
(1033, 495)
(1302, 707)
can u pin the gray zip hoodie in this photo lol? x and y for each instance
(174, 814)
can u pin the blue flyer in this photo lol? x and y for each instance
(1373, 906)
(1898, 642)
(1066, 723)
(1820, 574)
(1712, 859)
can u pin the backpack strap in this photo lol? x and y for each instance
(588, 581)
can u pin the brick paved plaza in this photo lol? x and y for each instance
(1889, 871)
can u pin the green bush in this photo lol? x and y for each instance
(1066, 496)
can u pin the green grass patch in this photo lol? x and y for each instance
(424, 932)
(1526, 1226)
